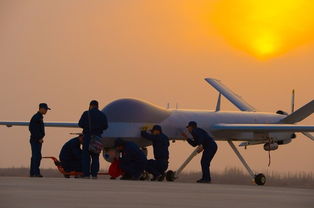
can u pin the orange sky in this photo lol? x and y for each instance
(264, 29)
(68, 52)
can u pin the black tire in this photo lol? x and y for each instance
(260, 179)
(144, 177)
(170, 176)
(66, 176)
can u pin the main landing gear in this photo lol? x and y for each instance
(173, 175)
(260, 178)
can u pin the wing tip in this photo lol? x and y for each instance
(210, 79)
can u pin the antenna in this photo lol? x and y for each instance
(218, 102)
(292, 100)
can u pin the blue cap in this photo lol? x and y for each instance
(192, 124)
(156, 127)
(119, 142)
(44, 105)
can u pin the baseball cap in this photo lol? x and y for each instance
(44, 105)
(192, 124)
(156, 127)
(119, 142)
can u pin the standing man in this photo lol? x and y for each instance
(207, 145)
(71, 155)
(133, 160)
(93, 122)
(160, 142)
(37, 130)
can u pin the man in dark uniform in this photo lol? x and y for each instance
(208, 145)
(37, 130)
(133, 160)
(160, 142)
(93, 122)
(71, 155)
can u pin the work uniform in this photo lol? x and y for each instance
(71, 155)
(160, 143)
(133, 160)
(200, 137)
(37, 130)
(98, 122)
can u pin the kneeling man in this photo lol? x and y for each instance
(160, 143)
(71, 154)
(133, 160)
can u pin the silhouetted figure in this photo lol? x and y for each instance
(37, 130)
(133, 160)
(160, 142)
(71, 155)
(93, 122)
(201, 137)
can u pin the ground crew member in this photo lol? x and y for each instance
(207, 143)
(133, 160)
(37, 130)
(71, 155)
(93, 122)
(160, 142)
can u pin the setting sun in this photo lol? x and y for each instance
(265, 44)
(264, 28)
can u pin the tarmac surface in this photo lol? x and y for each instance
(25, 192)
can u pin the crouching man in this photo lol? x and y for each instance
(160, 143)
(209, 147)
(71, 155)
(133, 160)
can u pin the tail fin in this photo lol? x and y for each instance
(299, 114)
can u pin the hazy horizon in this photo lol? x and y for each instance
(66, 53)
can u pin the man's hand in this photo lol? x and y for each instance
(144, 128)
(41, 141)
(184, 135)
(200, 149)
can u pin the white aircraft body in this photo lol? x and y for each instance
(127, 116)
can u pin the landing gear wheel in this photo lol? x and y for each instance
(260, 179)
(144, 177)
(170, 175)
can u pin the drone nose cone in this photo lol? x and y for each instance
(133, 110)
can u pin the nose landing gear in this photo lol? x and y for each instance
(173, 175)
(170, 176)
